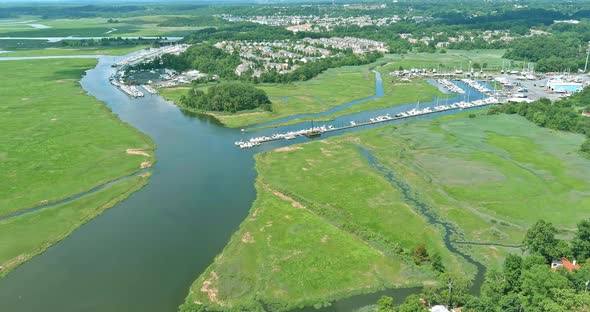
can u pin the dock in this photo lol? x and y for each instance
(317, 131)
(450, 86)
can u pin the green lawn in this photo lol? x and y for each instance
(491, 176)
(75, 51)
(25, 236)
(56, 140)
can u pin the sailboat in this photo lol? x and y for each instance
(313, 132)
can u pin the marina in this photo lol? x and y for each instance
(151, 54)
(450, 86)
(317, 131)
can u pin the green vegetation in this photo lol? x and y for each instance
(449, 61)
(564, 115)
(228, 97)
(285, 255)
(491, 176)
(395, 93)
(205, 58)
(141, 26)
(28, 235)
(522, 283)
(58, 140)
(214, 61)
(75, 51)
(329, 89)
(528, 283)
(561, 48)
(479, 173)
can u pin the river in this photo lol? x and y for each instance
(144, 253)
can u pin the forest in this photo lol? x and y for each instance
(524, 283)
(227, 97)
(558, 52)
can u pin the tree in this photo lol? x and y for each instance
(413, 303)
(481, 304)
(510, 303)
(512, 271)
(452, 290)
(537, 283)
(586, 146)
(420, 254)
(437, 264)
(385, 304)
(541, 239)
(495, 285)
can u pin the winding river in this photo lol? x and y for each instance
(144, 253)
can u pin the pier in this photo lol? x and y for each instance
(450, 86)
(316, 131)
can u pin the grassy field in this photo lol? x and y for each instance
(285, 256)
(56, 140)
(490, 176)
(453, 59)
(94, 27)
(325, 225)
(25, 236)
(75, 51)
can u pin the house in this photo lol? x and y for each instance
(563, 262)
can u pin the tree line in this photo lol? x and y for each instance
(228, 97)
(203, 57)
(523, 283)
(110, 42)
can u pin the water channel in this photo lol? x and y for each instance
(144, 253)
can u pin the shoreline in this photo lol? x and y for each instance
(7, 267)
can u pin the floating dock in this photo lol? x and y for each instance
(476, 85)
(316, 131)
(450, 86)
